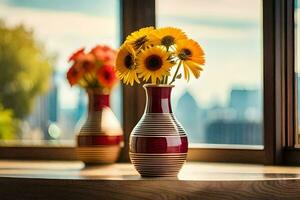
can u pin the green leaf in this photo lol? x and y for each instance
(179, 76)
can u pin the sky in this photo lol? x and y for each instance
(230, 32)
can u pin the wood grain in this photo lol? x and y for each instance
(45, 152)
(70, 180)
(12, 188)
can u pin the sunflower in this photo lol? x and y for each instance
(139, 38)
(153, 62)
(191, 56)
(167, 36)
(125, 65)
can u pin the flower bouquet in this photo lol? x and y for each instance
(100, 137)
(158, 57)
(93, 70)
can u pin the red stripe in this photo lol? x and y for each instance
(98, 101)
(159, 144)
(91, 140)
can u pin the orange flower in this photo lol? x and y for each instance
(76, 55)
(104, 54)
(107, 76)
(86, 62)
(93, 69)
(74, 75)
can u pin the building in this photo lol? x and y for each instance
(44, 113)
(247, 103)
(191, 116)
(240, 121)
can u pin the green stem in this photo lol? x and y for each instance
(163, 80)
(176, 72)
(157, 81)
(166, 80)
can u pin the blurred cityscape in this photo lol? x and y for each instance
(49, 121)
(238, 122)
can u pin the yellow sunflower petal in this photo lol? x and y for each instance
(194, 68)
(186, 72)
(136, 78)
(153, 79)
(198, 60)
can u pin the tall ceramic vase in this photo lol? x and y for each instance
(100, 138)
(158, 143)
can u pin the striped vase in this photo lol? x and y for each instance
(158, 143)
(100, 138)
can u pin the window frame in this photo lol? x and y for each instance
(279, 94)
(291, 151)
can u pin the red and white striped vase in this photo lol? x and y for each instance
(100, 138)
(158, 143)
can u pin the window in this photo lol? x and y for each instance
(225, 106)
(61, 27)
(245, 99)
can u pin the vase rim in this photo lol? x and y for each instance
(158, 85)
(99, 91)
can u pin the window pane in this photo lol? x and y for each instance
(61, 26)
(224, 106)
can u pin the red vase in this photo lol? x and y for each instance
(158, 143)
(101, 136)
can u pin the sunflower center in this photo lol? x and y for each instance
(153, 62)
(185, 54)
(139, 42)
(167, 40)
(128, 61)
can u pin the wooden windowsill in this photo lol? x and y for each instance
(70, 180)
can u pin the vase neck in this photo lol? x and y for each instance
(97, 100)
(158, 99)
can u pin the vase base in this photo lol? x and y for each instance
(158, 165)
(99, 154)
